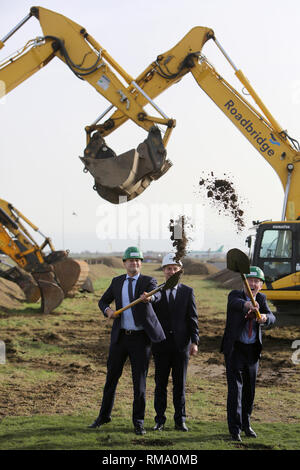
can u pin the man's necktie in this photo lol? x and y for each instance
(130, 292)
(130, 295)
(171, 300)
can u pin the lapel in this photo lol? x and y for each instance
(118, 294)
(178, 295)
(138, 285)
(176, 300)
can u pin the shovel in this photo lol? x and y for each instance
(169, 284)
(238, 262)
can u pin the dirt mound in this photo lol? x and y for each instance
(110, 261)
(100, 270)
(227, 279)
(194, 266)
(11, 295)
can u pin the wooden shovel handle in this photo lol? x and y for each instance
(249, 292)
(137, 301)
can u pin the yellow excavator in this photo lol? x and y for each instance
(50, 276)
(124, 177)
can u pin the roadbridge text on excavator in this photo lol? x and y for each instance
(131, 173)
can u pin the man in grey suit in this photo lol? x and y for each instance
(131, 336)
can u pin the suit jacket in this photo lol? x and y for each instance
(235, 321)
(183, 320)
(143, 314)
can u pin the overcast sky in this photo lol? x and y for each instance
(42, 122)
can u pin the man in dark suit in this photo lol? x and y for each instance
(131, 336)
(242, 346)
(176, 311)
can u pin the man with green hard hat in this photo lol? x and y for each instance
(242, 346)
(131, 336)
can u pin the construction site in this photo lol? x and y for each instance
(54, 340)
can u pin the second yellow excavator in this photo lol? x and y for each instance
(51, 276)
(277, 244)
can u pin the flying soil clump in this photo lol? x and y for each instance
(179, 236)
(222, 196)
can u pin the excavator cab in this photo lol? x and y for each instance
(129, 174)
(277, 253)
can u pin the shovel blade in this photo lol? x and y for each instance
(238, 261)
(173, 280)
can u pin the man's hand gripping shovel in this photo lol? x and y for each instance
(238, 262)
(169, 284)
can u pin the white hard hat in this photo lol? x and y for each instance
(170, 259)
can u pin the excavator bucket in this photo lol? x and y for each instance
(57, 278)
(52, 294)
(62, 278)
(25, 281)
(128, 174)
(71, 274)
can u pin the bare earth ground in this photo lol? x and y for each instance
(57, 364)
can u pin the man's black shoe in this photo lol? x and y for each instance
(139, 430)
(181, 427)
(99, 422)
(158, 427)
(249, 432)
(236, 437)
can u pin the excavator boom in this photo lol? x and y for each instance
(129, 174)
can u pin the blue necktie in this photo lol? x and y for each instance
(130, 291)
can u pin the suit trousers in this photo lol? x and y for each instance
(137, 347)
(167, 358)
(241, 372)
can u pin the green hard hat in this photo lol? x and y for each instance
(255, 271)
(132, 252)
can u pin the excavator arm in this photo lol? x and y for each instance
(257, 125)
(47, 276)
(128, 175)
(260, 128)
(132, 173)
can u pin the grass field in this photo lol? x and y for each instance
(51, 384)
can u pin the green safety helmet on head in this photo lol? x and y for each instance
(133, 252)
(255, 271)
